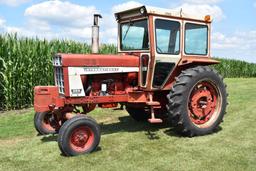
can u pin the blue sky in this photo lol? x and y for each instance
(233, 28)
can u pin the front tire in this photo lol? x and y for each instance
(79, 135)
(42, 123)
(197, 101)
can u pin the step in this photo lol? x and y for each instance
(153, 103)
(155, 120)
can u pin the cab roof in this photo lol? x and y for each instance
(146, 10)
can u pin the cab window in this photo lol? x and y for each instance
(134, 35)
(196, 39)
(167, 37)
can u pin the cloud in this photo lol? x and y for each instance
(13, 3)
(55, 19)
(62, 13)
(240, 45)
(2, 22)
(63, 20)
(125, 6)
(109, 25)
(202, 1)
(202, 10)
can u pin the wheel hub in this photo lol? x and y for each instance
(203, 101)
(81, 139)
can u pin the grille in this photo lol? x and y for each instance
(57, 61)
(59, 79)
(58, 71)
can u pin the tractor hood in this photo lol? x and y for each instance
(96, 60)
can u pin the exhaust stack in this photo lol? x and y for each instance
(95, 33)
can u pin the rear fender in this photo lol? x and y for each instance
(187, 61)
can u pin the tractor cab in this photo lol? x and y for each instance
(163, 39)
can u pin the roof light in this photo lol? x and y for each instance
(207, 18)
(142, 10)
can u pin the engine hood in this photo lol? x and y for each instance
(95, 60)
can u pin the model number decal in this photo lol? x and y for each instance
(76, 91)
(86, 69)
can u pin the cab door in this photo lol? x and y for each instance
(167, 49)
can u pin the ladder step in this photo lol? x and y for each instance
(155, 120)
(153, 103)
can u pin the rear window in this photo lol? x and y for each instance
(196, 39)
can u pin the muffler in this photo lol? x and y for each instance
(95, 33)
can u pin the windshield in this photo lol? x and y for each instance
(134, 35)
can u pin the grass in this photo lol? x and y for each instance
(129, 145)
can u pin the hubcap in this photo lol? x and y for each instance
(81, 139)
(204, 103)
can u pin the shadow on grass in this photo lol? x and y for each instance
(127, 124)
(49, 138)
(172, 132)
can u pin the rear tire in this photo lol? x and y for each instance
(197, 101)
(79, 135)
(42, 123)
(138, 114)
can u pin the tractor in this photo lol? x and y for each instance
(160, 74)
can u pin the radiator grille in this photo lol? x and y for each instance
(59, 79)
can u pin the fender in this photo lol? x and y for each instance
(192, 60)
(187, 62)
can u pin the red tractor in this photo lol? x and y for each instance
(161, 71)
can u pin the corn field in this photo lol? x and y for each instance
(234, 68)
(27, 62)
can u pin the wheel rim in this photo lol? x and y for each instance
(46, 122)
(81, 139)
(204, 104)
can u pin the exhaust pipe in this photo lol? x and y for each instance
(95, 33)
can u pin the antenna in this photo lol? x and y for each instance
(181, 12)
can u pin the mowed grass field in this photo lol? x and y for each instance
(129, 145)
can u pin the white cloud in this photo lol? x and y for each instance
(13, 2)
(240, 45)
(197, 10)
(202, 1)
(55, 19)
(64, 20)
(2, 22)
(61, 13)
(126, 6)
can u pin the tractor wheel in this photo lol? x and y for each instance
(197, 101)
(42, 123)
(79, 135)
(138, 114)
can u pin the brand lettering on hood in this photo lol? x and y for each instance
(86, 69)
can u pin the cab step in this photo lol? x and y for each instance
(153, 103)
(155, 120)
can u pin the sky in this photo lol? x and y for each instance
(233, 28)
